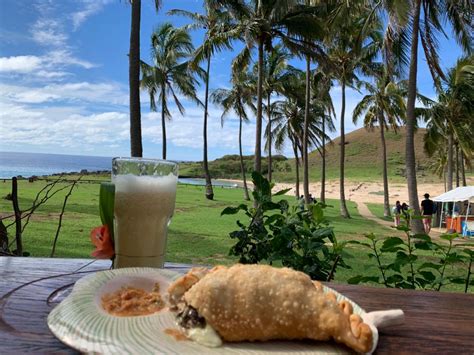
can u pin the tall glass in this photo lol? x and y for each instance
(145, 194)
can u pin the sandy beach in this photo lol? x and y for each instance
(371, 192)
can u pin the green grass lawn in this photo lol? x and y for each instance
(197, 234)
(377, 211)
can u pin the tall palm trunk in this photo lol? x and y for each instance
(134, 82)
(449, 163)
(463, 170)
(207, 175)
(444, 179)
(456, 147)
(269, 137)
(163, 122)
(242, 167)
(305, 132)
(410, 162)
(297, 170)
(386, 202)
(258, 129)
(323, 165)
(344, 211)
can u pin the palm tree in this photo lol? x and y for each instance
(289, 119)
(384, 106)
(134, 78)
(261, 22)
(450, 120)
(351, 51)
(288, 125)
(236, 99)
(435, 13)
(275, 65)
(320, 87)
(169, 71)
(215, 22)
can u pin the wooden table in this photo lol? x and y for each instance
(438, 323)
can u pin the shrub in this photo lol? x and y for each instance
(295, 236)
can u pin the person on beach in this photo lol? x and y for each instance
(427, 210)
(397, 210)
(404, 210)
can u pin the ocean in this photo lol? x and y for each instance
(38, 164)
(29, 164)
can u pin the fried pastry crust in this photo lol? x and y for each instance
(260, 302)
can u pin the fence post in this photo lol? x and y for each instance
(16, 209)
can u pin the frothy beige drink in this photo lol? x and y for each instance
(143, 209)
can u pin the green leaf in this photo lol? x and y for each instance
(281, 192)
(423, 237)
(269, 205)
(106, 205)
(234, 210)
(453, 258)
(428, 275)
(403, 228)
(449, 237)
(458, 280)
(370, 236)
(430, 265)
(391, 244)
(395, 278)
(423, 245)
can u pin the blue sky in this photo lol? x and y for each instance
(64, 82)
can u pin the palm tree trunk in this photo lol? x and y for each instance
(163, 122)
(323, 165)
(297, 170)
(444, 179)
(242, 167)
(463, 170)
(449, 163)
(457, 164)
(269, 138)
(386, 202)
(344, 211)
(306, 133)
(134, 82)
(207, 175)
(410, 162)
(258, 129)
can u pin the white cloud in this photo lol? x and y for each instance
(186, 131)
(64, 57)
(90, 8)
(49, 66)
(62, 128)
(103, 93)
(20, 64)
(48, 32)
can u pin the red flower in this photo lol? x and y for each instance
(100, 237)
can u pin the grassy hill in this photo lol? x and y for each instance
(363, 160)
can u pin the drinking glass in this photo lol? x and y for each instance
(145, 194)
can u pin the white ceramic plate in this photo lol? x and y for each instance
(80, 322)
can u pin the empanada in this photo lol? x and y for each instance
(259, 303)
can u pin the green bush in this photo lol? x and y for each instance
(295, 236)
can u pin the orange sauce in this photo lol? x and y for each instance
(176, 334)
(131, 301)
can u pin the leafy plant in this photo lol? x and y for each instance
(401, 266)
(277, 232)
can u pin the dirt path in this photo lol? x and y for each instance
(365, 212)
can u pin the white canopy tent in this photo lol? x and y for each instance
(459, 194)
